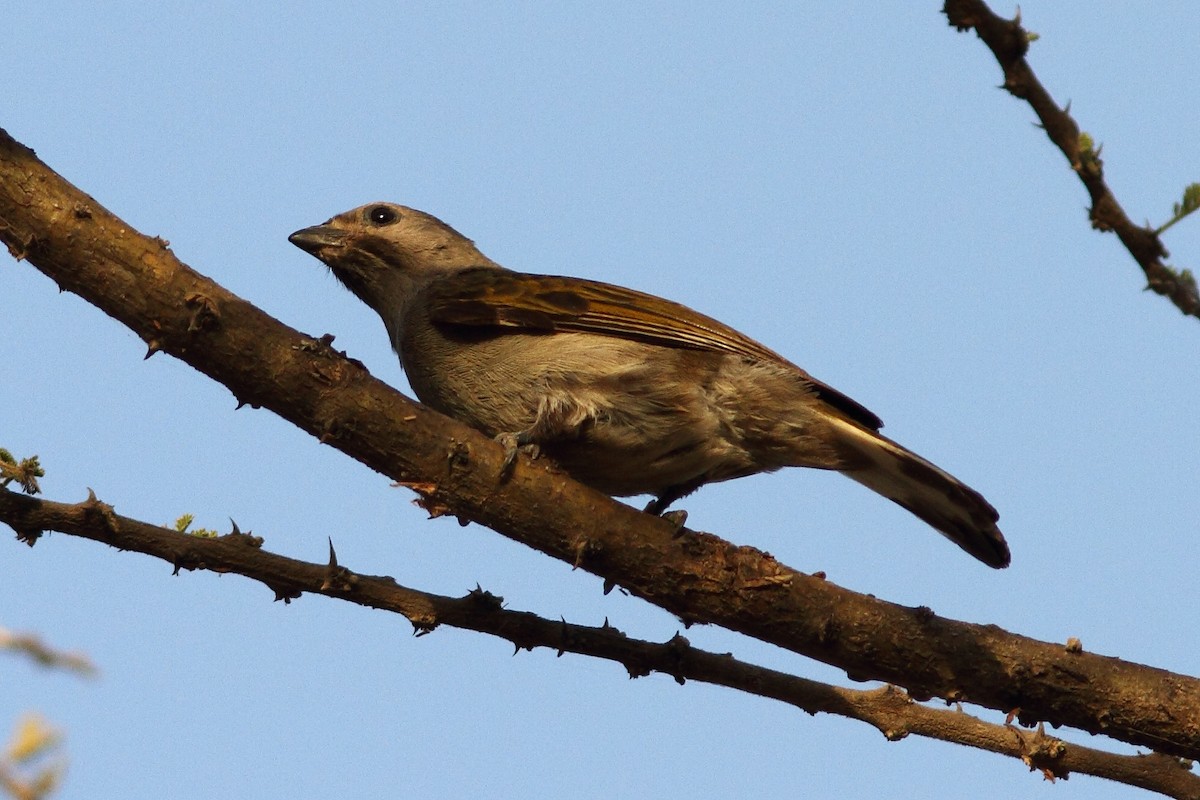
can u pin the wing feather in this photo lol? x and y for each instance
(490, 297)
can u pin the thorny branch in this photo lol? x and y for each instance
(1009, 42)
(697, 576)
(888, 709)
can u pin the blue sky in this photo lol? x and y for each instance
(843, 183)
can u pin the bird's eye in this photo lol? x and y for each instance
(382, 215)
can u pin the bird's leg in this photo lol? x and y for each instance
(558, 418)
(658, 506)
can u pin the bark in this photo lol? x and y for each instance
(701, 578)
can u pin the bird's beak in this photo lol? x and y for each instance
(316, 239)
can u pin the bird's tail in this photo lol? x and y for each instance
(954, 509)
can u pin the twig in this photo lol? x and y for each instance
(43, 654)
(1009, 42)
(890, 710)
(697, 576)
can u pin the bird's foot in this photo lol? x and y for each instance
(658, 508)
(676, 518)
(513, 443)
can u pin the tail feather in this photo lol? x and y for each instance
(954, 509)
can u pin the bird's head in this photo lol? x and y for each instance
(384, 252)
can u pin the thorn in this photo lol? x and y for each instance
(636, 672)
(248, 538)
(153, 346)
(286, 595)
(29, 536)
(94, 506)
(337, 578)
(611, 629)
(609, 585)
(485, 599)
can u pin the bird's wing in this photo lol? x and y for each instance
(489, 297)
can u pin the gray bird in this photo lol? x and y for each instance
(629, 393)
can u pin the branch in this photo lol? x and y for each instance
(889, 710)
(43, 654)
(697, 576)
(1009, 42)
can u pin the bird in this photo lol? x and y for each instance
(626, 392)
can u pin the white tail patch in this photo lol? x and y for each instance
(954, 509)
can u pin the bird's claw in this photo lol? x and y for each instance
(658, 508)
(514, 443)
(676, 518)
